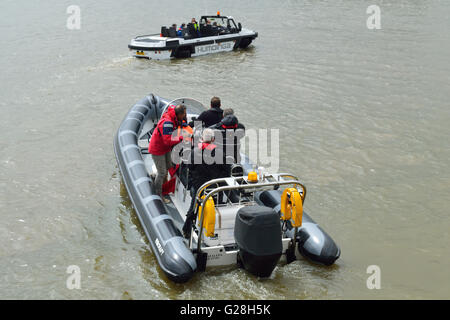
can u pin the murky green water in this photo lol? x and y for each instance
(363, 116)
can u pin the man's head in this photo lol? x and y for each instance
(180, 112)
(193, 20)
(208, 135)
(174, 25)
(227, 112)
(215, 102)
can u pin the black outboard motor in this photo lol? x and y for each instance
(257, 232)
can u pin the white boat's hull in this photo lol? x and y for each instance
(163, 48)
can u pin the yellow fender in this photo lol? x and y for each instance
(209, 222)
(292, 206)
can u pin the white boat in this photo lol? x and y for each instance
(214, 34)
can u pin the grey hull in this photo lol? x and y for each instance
(167, 243)
(174, 258)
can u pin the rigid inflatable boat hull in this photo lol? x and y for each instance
(173, 255)
(167, 243)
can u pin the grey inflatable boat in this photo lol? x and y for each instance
(243, 219)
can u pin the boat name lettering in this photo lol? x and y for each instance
(159, 246)
(214, 47)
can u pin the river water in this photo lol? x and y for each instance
(363, 117)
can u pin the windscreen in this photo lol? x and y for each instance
(193, 107)
(215, 21)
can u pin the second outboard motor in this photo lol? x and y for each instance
(257, 232)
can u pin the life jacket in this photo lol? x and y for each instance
(184, 127)
(169, 186)
(206, 145)
(233, 126)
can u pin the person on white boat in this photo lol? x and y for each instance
(196, 28)
(181, 30)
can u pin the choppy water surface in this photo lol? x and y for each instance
(363, 117)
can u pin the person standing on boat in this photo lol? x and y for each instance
(205, 164)
(213, 115)
(161, 142)
(196, 27)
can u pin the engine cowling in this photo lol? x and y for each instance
(257, 232)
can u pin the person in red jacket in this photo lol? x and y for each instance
(161, 143)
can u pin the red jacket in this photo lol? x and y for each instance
(162, 141)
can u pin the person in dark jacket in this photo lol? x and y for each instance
(161, 142)
(202, 168)
(231, 131)
(213, 115)
(231, 121)
(195, 28)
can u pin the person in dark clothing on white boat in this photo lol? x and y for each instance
(213, 115)
(202, 168)
(181, 30)
(195, 28)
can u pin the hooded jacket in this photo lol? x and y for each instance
(228, 122)
(161, 141)
(228, 127)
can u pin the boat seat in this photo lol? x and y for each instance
(172, 32)
(207, 30)
(164, 31)
(215, 30)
